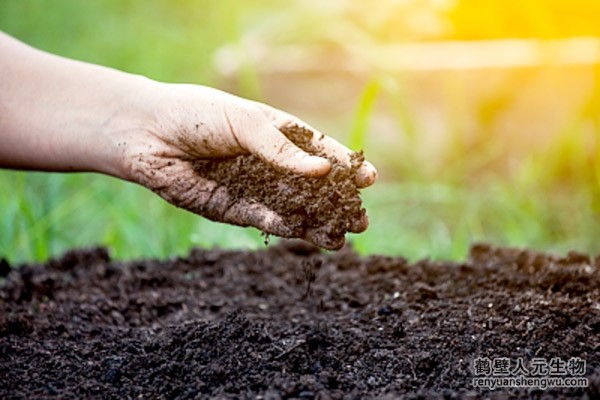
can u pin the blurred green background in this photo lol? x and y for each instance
(505, 153)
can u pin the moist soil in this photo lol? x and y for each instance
(327, 206)
(292, 322)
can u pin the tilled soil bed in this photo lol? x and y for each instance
(291, 322)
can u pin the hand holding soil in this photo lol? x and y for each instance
(245, 163)
(63, 115)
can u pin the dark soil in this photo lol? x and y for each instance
(326, 205)
(290, 322)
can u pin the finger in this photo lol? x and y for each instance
(247, 213)
(360, 225)
(321, 239)
(273, 147)
(320, 141)
(366, 175)
(222, 207)
(180, 185)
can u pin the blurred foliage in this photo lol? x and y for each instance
(431, 203)
(169, 41)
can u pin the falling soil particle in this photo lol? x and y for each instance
(235, 324)
(328, 206)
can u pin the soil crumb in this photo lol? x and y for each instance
(237, 325)
(327, 205)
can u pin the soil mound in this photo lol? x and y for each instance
(291, 322)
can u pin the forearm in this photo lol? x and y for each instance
(62, 115)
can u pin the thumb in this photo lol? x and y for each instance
(276, 149)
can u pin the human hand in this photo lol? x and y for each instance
(63, 115)
(194, 122)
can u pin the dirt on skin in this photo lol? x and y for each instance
(326, 205)
(291, 322)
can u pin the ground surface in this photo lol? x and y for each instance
(239, 324)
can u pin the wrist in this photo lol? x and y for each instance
(61, 115)
(126, 129)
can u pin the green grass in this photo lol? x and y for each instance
(46, 214)
(551, 203)
(360, 128)
(440, 221)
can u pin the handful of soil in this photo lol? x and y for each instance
(328, 205)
